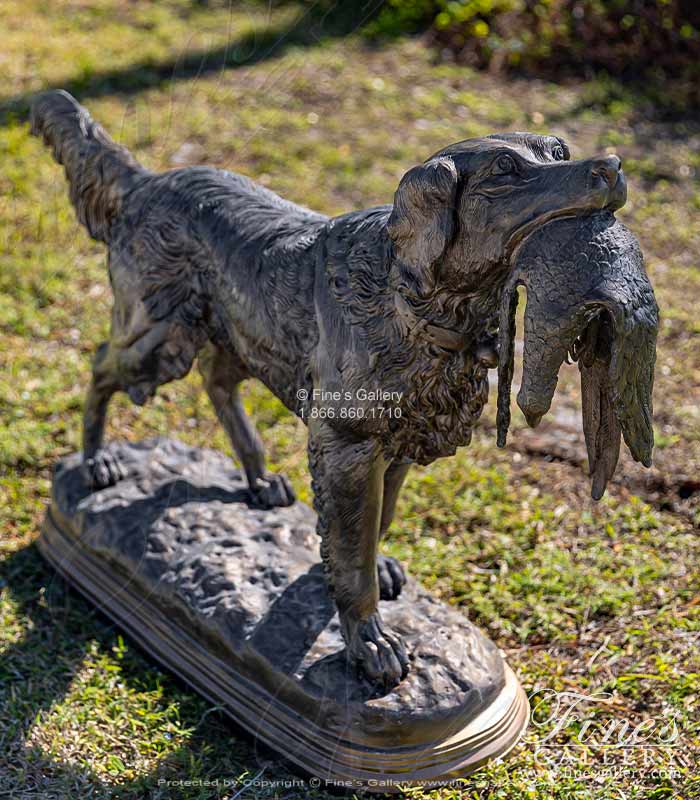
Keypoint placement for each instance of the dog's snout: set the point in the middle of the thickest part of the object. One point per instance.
(608, 169)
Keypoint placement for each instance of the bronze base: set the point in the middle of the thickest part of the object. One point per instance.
(232, 600)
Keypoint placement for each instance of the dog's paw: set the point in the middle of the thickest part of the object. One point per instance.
(379, 654)
(272, 491)
(391, 577)
(102, 470)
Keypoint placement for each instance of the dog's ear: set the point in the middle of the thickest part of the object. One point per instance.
(423, 220)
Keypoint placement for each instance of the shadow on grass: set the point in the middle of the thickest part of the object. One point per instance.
(37, 671)
(317, 24)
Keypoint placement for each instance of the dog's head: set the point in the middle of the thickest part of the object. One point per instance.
(484, 216)
(467, 207)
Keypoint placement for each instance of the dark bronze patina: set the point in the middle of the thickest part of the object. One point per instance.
(588, 298)
(402, 298)
(233, 599)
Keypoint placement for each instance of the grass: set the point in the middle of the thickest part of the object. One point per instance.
(583, 598)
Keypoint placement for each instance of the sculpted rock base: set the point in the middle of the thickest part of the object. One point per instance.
(232, 598)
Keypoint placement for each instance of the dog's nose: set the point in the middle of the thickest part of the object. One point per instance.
(608, 169)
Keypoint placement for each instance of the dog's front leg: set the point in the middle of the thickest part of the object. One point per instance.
(348, 483)
(392, 576)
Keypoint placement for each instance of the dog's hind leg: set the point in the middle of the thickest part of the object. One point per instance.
(390, 572)
(99, 467)
(222, 374)
(136, 361)
(114, 368)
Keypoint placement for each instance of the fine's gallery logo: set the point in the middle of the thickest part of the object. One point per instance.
(595, 721)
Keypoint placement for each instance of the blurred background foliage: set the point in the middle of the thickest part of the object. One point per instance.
(651, 43)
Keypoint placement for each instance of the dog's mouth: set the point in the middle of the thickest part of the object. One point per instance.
(604, 188)
(589, 301)
(617, 196)
(518, 238)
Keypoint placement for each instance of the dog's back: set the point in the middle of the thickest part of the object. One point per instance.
(212, 249)
(204, 249)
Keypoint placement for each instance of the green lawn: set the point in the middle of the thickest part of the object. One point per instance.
(582, 597)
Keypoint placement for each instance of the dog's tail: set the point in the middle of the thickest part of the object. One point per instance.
(99, 171)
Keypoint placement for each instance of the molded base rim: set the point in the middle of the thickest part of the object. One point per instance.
(333, 759)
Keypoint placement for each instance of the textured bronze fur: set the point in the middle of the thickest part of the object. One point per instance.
(205, 263)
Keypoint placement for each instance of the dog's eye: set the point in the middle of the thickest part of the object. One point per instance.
(503, 165)
(558, 153)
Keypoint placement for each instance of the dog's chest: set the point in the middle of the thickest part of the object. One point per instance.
(438, 412)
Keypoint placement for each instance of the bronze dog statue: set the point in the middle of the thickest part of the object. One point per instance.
(399, 301)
